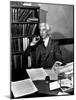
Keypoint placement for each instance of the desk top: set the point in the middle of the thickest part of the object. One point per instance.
(43, 87)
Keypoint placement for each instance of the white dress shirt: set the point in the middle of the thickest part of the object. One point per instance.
(46, 40)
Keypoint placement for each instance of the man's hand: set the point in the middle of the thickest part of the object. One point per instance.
(34, 41)
(57, 66)
(57, 63)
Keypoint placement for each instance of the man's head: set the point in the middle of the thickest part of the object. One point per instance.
(44, 28)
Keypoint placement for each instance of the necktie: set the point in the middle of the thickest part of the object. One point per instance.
(44, 44)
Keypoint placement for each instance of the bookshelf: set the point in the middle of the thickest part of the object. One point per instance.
(24, 26)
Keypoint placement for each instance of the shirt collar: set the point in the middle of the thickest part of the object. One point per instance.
(46, 41)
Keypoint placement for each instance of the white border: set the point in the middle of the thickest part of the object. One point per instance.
(5, 48)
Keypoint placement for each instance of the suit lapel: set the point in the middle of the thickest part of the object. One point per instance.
(49, 46)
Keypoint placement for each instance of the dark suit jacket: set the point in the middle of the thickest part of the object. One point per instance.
(46, 57)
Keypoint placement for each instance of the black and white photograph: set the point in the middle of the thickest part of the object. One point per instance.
(41, 49)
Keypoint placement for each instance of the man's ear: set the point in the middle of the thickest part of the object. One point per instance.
(49, 31)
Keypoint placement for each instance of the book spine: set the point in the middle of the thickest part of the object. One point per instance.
(28, 15)
(31, 28)
(17, 14)
(33, 13)
(15, 19)
(21, 44)
(23, 33)
(18, 62)
(25, 14)
(21, 61)
(25, 43)
(22, 15)
(15, 61)
(12, 62)
(13, 11)
(34, 28)
(19, 49)
(21, 12)
(12, 46)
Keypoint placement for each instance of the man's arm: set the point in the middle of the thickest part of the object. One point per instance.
(58, 53)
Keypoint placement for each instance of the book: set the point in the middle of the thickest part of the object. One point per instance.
(16, 44)
(13, 15)
(30, 29)
(15, 19)
(20, 29)
(18, 62)
(25, 27)
(34, 28)
(21, 44)
(21, 14)
(37, 74)
(25, 43)
(14, 62)
(12, 46)
(13, 30)
(27, 15)
(23, 32)
(32, 19)
(23, 87)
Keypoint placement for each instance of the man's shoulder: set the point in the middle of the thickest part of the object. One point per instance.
(53, 41)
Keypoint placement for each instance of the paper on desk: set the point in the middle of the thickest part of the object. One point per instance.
(66, 83)
(23, 87)
(52, 74)
(54, 85)
(37, 73)
(62, 93)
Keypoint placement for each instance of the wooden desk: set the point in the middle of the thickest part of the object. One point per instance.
(43, 87)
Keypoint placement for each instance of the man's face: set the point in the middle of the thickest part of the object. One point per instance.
(43, 32)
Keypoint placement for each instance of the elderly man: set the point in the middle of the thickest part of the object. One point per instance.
(48, 52)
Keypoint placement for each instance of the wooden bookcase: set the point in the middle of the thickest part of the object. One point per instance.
(24, 22)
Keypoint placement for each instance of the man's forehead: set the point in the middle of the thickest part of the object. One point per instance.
(44, 26)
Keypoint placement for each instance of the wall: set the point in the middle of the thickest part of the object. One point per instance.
(60, 19)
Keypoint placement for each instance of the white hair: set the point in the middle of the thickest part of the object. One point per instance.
(44, 25)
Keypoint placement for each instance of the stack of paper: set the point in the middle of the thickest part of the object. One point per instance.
(63, 93)
(37, 74)
(66, 83)
(54, 85)
(23, 87)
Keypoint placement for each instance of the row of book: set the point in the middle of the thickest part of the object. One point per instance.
(16, 62)
(22, 15)
(19, 44)
(23, 29)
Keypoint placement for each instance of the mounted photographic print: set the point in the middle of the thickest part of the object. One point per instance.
(42, 49)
